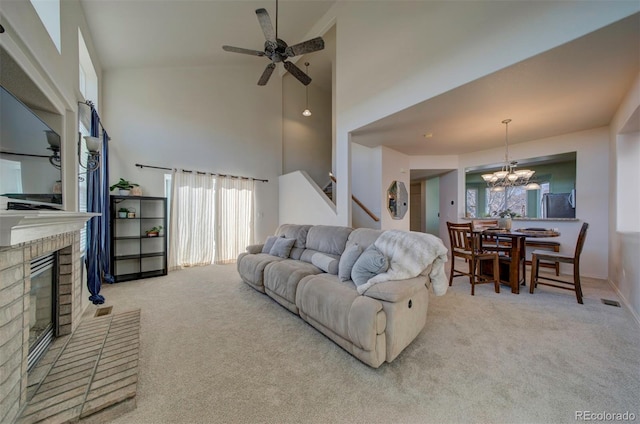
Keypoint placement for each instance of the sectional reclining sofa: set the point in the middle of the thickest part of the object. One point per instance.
(365, 289)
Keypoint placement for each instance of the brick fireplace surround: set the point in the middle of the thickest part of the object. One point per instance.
(15, 286)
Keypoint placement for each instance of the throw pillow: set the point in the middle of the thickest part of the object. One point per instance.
(325, 263)
(348, 258)
(282, 247)
(268, 244)
(370, 263)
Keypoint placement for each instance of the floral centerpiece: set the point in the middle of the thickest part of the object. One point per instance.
(505, 218)
(507, 213)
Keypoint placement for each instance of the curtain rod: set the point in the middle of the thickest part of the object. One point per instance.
(201, 172)
(91, 105)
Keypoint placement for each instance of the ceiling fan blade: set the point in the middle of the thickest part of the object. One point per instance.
(266, 74)
(265, 24)
(296, 72)
(241, 50)
(308, 46)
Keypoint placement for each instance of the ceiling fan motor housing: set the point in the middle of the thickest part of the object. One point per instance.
(277, 53)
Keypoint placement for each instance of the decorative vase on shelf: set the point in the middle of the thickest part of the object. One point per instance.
(136, 191)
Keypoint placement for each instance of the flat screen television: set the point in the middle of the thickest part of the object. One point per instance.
(30, 174)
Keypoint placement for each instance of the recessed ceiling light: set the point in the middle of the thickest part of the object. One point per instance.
(428, 135)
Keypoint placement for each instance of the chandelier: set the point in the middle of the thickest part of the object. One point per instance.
(509, 176)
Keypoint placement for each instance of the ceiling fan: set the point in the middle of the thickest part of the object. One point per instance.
(276, 50)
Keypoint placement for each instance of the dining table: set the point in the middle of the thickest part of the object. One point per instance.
(513, 245)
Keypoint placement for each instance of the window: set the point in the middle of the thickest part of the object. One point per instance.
(513, 198)
(213, 219)
(11, 173)
(49, 13)
(472, 203)
(87, 76)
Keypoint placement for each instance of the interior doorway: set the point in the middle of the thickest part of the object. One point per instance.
(425, 205)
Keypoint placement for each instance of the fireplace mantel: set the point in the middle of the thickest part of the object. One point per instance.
(24, 226)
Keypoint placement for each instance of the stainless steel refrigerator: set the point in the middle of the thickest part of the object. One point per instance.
(559, 205)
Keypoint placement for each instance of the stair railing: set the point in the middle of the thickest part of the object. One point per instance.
(359, 203)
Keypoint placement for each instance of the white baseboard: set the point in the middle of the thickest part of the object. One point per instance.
(625, 302)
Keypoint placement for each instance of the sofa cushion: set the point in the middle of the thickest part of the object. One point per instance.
(370, 263)
(282, 247)
(339, 307)
(298, 232)
(251, 268)
(283, 277)
(363, 237)
(397, 290)
(268, 244)
(347, 260)
(325, 263)
(328, 239)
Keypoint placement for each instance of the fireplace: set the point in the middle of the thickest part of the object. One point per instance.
(41, 298)
(42, 306)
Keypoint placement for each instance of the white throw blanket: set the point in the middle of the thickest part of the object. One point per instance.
(409, 254)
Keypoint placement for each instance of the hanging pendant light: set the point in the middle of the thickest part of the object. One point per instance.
(509, 176)
(306, 111)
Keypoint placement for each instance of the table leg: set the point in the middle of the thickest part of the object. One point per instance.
(517, 254)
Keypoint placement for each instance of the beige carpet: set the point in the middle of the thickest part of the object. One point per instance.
(213, 350)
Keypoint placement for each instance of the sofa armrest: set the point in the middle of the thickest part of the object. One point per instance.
(255, 248)
(397, 290)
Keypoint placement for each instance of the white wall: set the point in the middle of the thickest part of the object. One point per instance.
(366, 180)
(628, 182)
(212, 119)
(395, 167)
(306, 140)
(304, 201)
(624, 267)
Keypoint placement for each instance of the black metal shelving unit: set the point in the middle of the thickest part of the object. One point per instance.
(135, 255)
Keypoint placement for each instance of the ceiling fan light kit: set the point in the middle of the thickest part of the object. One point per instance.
(276, 50)
(509, 176)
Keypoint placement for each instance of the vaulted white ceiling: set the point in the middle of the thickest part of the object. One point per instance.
(574, 87)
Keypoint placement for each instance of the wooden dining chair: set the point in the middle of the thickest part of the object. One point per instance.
(465, 243)
(483, 224)
(557, 257)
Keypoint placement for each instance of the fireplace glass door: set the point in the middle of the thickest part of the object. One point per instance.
(41, 307)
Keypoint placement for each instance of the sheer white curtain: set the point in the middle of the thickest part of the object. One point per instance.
(234, 209)
(192, 226)
(211, 219)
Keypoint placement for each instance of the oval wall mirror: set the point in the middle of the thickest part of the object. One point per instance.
(397, 200)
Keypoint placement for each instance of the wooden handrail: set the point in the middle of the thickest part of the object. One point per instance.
(358, 202)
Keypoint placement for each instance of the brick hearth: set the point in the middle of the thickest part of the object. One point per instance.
(91, 374)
